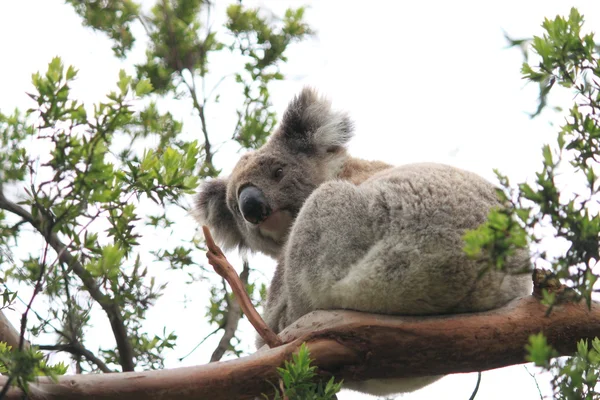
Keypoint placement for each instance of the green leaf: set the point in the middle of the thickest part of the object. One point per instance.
(71, 73)
(539, 351)
(124, 82)
(143, 87)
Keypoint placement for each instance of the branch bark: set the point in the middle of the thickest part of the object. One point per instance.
(217, 259)
(108, 305)
(353, 346)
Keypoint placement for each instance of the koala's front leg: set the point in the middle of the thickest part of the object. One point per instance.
(331, 232)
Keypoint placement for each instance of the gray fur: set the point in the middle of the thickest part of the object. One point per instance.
(211, 209)
(363, 235)
(308, 145)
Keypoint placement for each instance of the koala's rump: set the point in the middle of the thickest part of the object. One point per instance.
(394, 245)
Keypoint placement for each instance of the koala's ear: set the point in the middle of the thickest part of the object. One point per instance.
(211, 210)
(309, 124)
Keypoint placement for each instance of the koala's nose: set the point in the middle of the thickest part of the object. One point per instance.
(253, 205)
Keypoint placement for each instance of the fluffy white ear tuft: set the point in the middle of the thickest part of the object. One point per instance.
(310, 124)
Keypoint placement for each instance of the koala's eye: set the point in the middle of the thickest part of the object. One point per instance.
(278, 173)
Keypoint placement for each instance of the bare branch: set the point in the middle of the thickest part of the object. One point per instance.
(353, 346)
(476, 386)
(208, 155)
(234, 314)
(536, 382)
(77, 349)
(200, 343)
(214, 88)
(108, 305)
(217, 259)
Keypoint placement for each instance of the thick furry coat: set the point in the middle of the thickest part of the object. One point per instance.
(354, 234)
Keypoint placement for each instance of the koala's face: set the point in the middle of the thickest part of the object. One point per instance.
(256, 206)
(265, 193)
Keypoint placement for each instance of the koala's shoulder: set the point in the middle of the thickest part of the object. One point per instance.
(434, 189)
(431, 176)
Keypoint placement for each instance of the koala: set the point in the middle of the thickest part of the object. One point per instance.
(354, 234)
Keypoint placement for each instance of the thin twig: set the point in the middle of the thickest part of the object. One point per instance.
(217, 259)
(207, 98)
(200, 108)
(476, 387)
(37, 289)
(201, 342)
(536, 382)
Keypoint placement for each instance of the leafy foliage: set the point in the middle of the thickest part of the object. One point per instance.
(299, 380)
(83, 176)
(114, 17)
(567, 57)
(576, 377)
(26, 365)
(263, 46)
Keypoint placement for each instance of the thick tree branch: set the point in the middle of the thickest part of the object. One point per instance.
(352, 346)
(108, 305)
(234, 314)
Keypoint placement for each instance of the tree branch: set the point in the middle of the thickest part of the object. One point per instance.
(208, 155)
(234, 314)
(8, 333)
(217, 259)
(78, 350)
(108, 305)
(352, 346)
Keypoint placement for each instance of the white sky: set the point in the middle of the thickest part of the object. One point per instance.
(424, 81)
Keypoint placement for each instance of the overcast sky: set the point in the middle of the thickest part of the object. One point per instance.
(424, 81)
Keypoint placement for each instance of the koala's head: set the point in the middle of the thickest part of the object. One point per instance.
(255, 207)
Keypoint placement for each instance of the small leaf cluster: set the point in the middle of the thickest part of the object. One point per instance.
(13, 157)
(24, 366)
(264, 46)
(576, 377)
(299, 380)
(114, 17)
(497, 239)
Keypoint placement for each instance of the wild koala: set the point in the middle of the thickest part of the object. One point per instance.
(355, 234)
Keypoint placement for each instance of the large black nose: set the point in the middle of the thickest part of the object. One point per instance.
(253, 205)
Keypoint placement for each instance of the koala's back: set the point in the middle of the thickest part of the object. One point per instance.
(393, 245)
